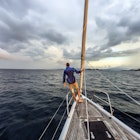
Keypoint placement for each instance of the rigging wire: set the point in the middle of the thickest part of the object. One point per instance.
(86, 108)
(58, 125)
(138, 103)
(121, 91)
(129, 115)
(98, 98)
(51, 120)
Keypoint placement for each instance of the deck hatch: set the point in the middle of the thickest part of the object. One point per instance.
(98, 131)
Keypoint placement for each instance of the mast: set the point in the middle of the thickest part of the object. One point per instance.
(83, 43)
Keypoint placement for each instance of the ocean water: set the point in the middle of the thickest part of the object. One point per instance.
(29, 98)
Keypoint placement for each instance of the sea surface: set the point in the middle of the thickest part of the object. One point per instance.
(29, 99)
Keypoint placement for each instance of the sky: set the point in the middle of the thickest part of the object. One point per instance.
(45, 34)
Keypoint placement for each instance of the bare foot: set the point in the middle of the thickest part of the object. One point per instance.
(80, 100)
(75, 99)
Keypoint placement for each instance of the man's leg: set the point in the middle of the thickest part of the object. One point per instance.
(72, 91)
(78, 92)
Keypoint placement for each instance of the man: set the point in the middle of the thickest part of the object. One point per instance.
(73, 84)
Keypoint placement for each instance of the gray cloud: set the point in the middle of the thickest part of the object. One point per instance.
(54, 36)
(13, 46)
(99, 54)
(71, 54)
(35, 53)
(18, 8)
(18, 27)
(132, 25)
(15, 30)
(121, 25)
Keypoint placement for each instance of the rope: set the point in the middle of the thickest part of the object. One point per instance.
(138, 103)
(86, 108)
(129, 116)
(51, 120)
(58, 125)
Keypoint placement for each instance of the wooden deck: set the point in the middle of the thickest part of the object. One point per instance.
(78, 130)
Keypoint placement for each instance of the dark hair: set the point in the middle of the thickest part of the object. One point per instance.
(67, 64)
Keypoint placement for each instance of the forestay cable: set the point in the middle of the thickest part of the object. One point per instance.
(129, 116)
(58, 125)
(51, 120)
(138, 103)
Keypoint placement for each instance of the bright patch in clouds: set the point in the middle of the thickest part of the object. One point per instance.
(54, 53)
(108, 63)
(5, 55)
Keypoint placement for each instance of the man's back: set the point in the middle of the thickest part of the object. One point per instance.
(70, 74)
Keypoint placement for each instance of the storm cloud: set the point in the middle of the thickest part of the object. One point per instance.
(51, 31)
(21, 22)
(121, 25)
(98, 54)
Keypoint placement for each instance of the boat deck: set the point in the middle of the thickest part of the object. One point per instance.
(106, 128)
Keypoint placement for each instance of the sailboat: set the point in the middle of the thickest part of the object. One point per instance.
(89, 120)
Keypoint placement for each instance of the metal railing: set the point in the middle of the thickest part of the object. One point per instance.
(68, 102)
(109, 102)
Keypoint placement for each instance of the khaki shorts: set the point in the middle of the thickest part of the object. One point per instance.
(74, 86)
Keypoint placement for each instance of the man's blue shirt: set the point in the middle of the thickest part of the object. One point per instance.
(69, 72)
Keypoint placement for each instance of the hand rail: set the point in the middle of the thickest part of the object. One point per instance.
(109, 102)
(68, 102)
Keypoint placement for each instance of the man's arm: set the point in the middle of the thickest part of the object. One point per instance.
(78, 71)
(64, 79)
